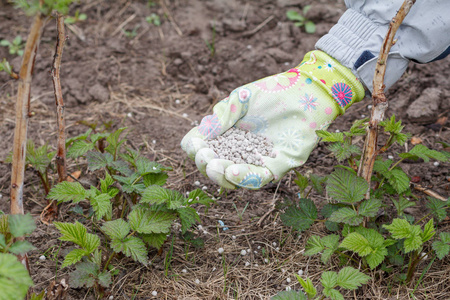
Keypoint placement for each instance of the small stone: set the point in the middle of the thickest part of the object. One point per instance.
(154, 142)
(274, 244)
(436, 164)
(288, 280)
(220, 250)
(197, 183)
(111, 297)
(154, 293)
(266, 260)
(184, 271)
(204, 188)
(243, 252)
(42, 258)
(233, 237)
(300, 272)
(247, 264)
(129, 115)
(177, 101)
(197, 281)
(288, 288)
(390, 157)
(185, 115)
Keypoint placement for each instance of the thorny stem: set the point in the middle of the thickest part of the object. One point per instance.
(61, 154)
(380, 102)
(44, 183)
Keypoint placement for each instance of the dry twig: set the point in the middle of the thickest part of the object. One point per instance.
(61, 154)
(380, 102)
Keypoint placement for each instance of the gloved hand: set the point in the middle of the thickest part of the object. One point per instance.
(286, 108)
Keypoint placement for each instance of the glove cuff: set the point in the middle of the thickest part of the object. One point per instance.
(333, 78)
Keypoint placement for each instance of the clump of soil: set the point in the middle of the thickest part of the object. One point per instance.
(242, 147)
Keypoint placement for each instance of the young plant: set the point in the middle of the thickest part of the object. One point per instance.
(15, 47)
(39, 159)
(212, 45)
(300, 19)
(5, 66)
(131, 208)
(14, 277)
(76, 18)
(131, 34)
(377, 241)
(348, 278)
(153, 19)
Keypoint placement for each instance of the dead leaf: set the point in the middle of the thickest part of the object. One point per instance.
(442, 121)
(416, 140)
(75, 175)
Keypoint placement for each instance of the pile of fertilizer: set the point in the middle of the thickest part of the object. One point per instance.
(242, 147)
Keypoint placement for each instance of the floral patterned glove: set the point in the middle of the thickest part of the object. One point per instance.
(286, 108)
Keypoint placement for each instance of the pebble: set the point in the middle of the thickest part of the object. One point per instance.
(155, 293)
(288, 280)
(243, 252)
(197, 281)
(233, 237)
(220, 250)
(177, 101)
(436, 164)
(197, 183)
(42, 258)
(184, 271)
(242, 147)
(247, 264)
(185, 115)
(390, 157)
(288, 288)
(300, 272)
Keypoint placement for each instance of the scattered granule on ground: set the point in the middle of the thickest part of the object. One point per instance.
(242, 147)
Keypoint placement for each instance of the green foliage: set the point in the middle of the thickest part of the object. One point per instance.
(300, 19)
(308, 286)
(300, 217)
(14, 278)
(359, 224)
(15, 46)
(290, 295)
(76, 18)
(5, 66)
(153, 19)
(13, 227)
(32, 7)
(135, 210)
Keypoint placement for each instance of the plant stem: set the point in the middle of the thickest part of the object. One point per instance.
(61, 154)
(44, 183)
(413, 262)
(109, 261)
(380, 102)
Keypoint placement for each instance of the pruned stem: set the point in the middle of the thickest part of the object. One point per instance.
(61, 153)
(380, 102)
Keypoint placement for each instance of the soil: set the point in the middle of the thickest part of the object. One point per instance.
(159, 83)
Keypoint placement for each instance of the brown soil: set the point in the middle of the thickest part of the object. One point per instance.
(136, 82)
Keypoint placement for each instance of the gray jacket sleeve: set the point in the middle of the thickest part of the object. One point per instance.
(356, 39)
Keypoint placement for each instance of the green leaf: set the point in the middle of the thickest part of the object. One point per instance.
(21, 247)
(342, 151)
(428, 231)
(101, 205)
(117, 229)
(334, 294)
(351, 279)
(77, 234)
(301, 181)
(401, 229)
(188, 217)
(356, 243)
(442, 249)
(105, 183)
(317, 183)
(347, 216)
(445, 237)
(358, 128)
(144, 166)
(79, 148)
(314, 245)
(144, 221)
(302, 217)
(421, 151)
(199, 196)
(345, 186)
(293, 15)
(14, 278)
(307, 286)
(310, 27)
(369, 208)
(155, 240)
(84, 275)
(2, 241)
(398, 180)
(290, 295)
(114, 141)
(98, 136)
(97, 160)
(330, 136)
(80, 137)
(329, 279)
(132, 247)
(67, 191)
(73, 257)
(331, 243)
(438, 208)
(21, 225)
(155, 194)
(375, 258)
(155, 179)
(402, 204)
(104, 279)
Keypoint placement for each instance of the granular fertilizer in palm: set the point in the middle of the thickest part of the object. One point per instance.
(241, 147)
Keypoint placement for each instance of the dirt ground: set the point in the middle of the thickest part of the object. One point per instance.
(159, 83)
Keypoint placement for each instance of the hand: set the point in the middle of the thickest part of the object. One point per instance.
(286, 108)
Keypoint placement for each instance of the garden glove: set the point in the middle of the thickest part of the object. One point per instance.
(286, 108)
